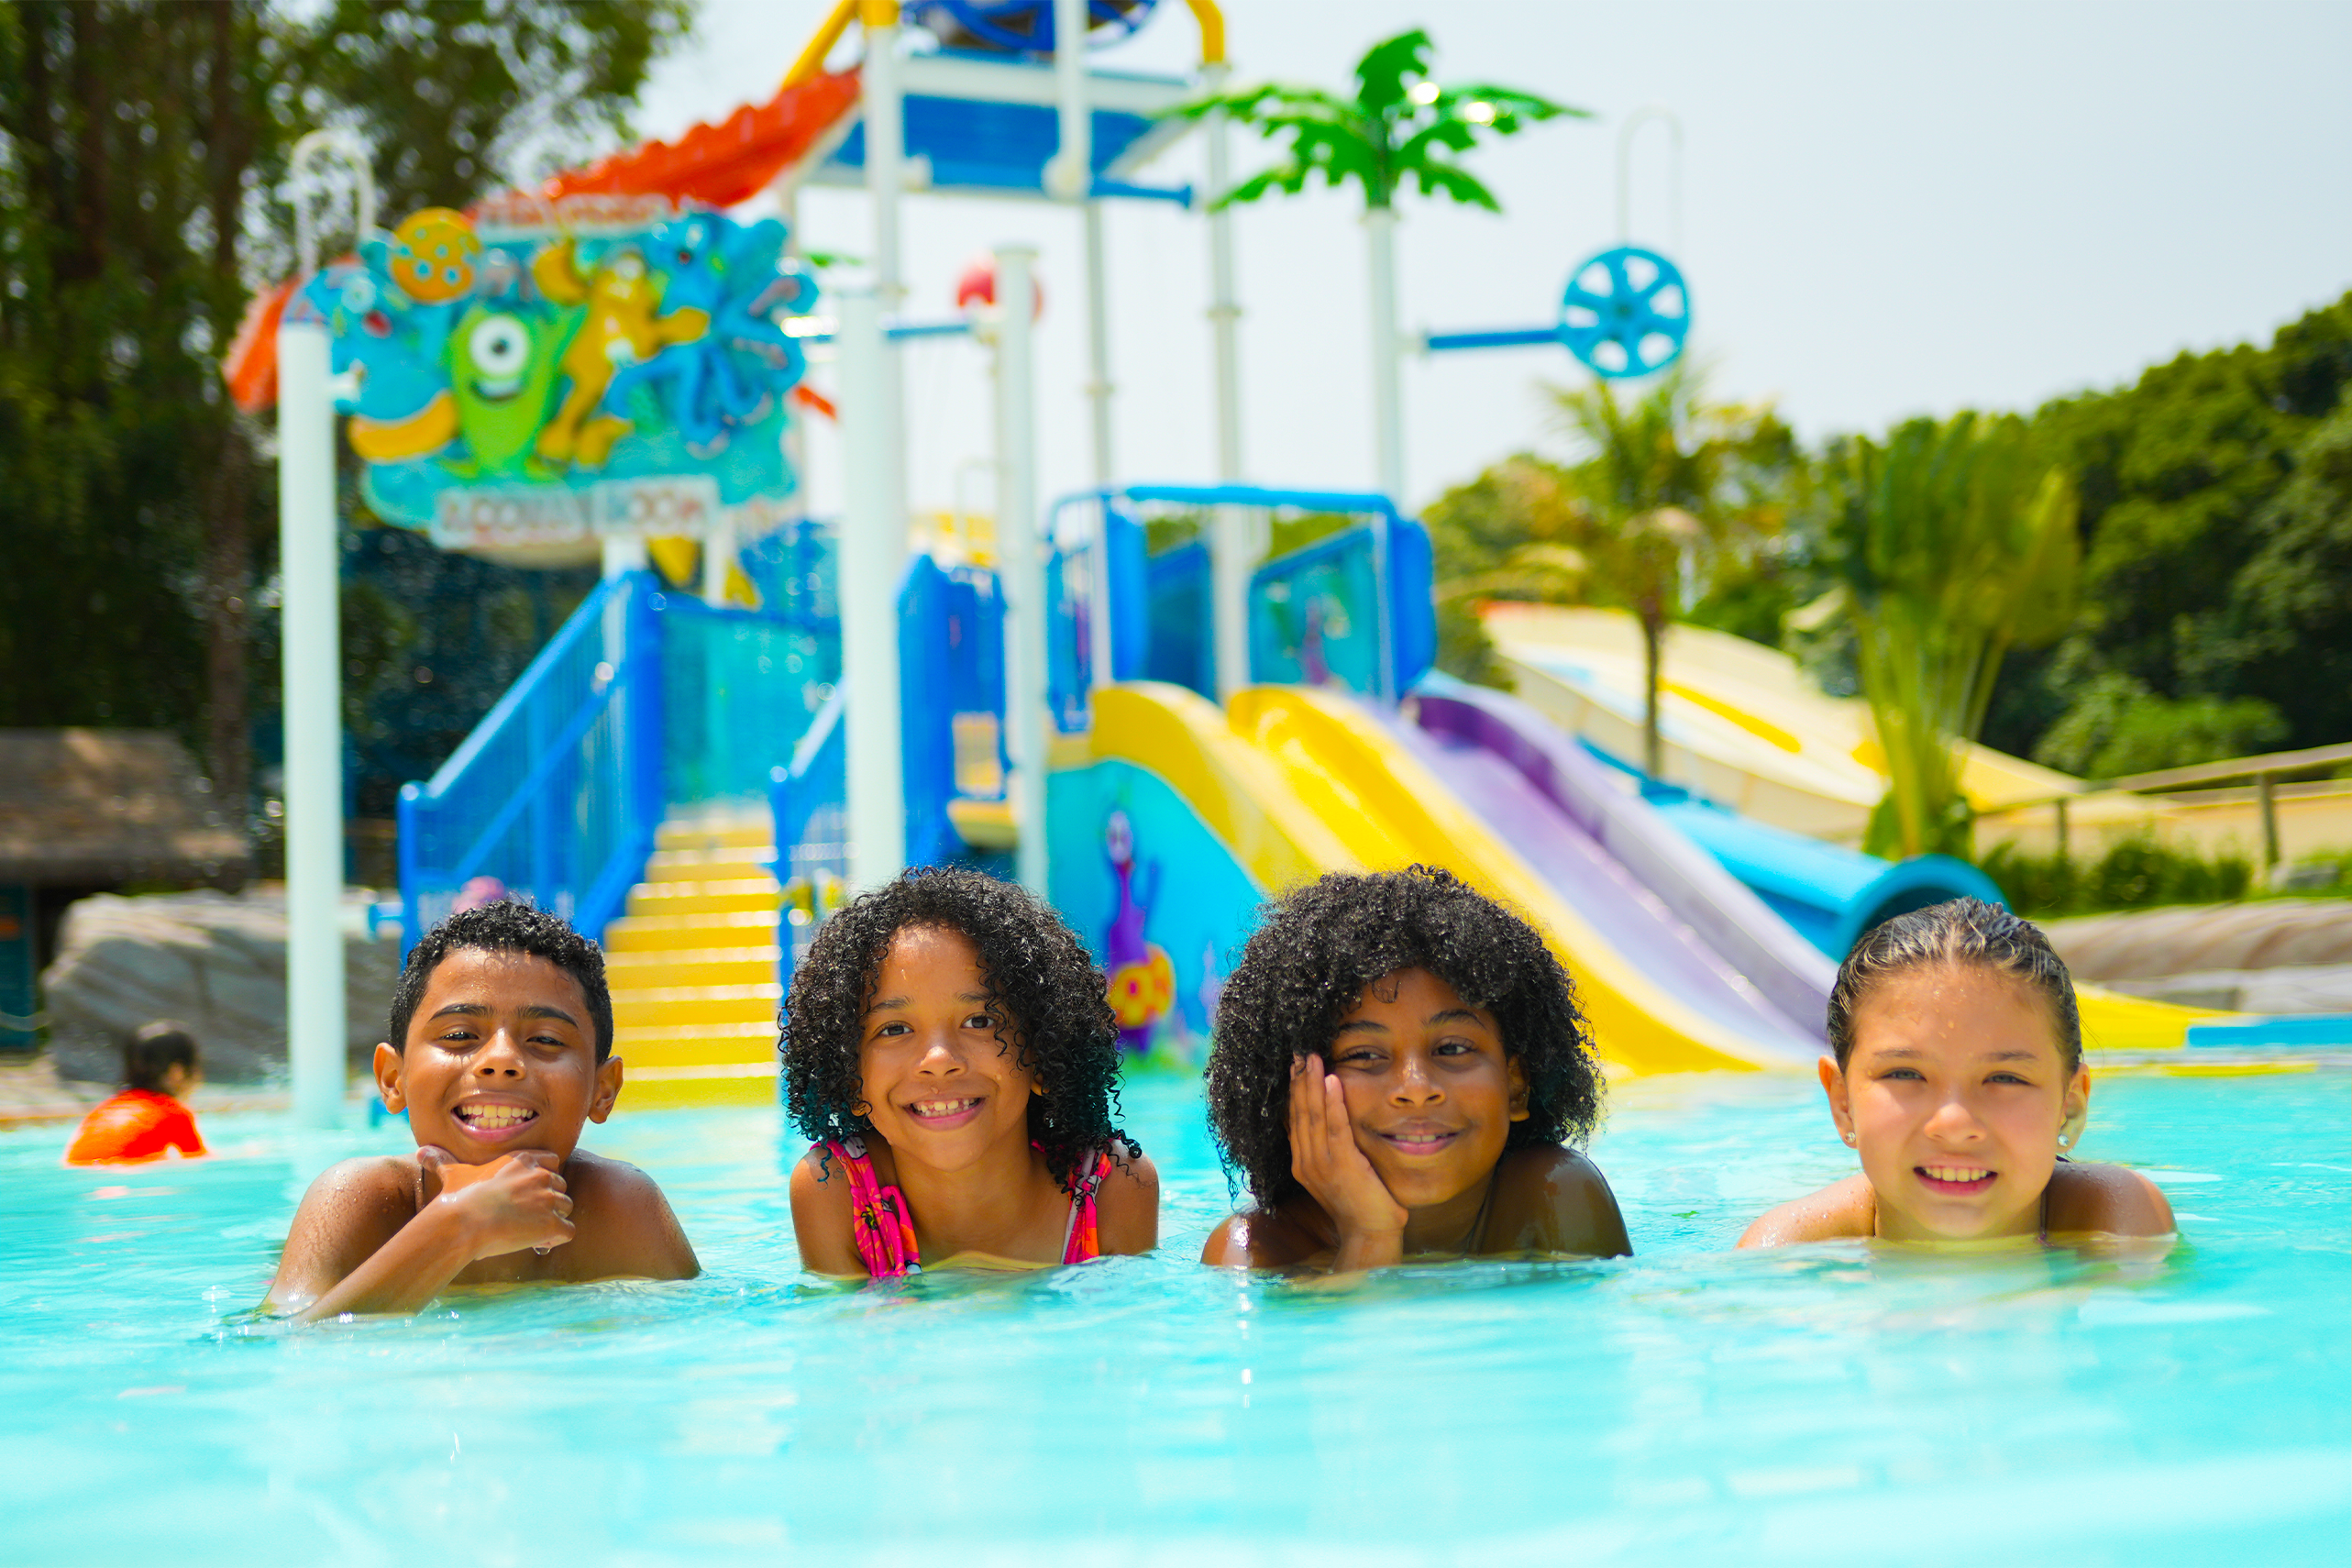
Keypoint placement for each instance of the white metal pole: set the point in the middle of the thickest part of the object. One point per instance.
(1231, 553)
(1070, 171)
(1099, 668)
(1098, 384)
(872, 540)
(1387, 366)
(1021, 562)
(885, 152)
(312, 642)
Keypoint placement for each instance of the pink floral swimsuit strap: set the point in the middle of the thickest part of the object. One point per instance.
(1083, 1241)
(878, 1221)
(884, 1230)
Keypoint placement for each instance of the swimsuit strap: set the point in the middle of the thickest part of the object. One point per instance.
(879, 1222)
(1082, 1242)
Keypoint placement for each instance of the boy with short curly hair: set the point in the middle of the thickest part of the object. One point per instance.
(1399, 1069)
(499, 1049)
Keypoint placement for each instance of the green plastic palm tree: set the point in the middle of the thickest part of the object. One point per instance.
(1952, 543)
(1669, 485)
(1400, 129)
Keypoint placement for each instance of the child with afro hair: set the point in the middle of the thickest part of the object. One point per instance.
(1399, 1065)
(949, 1052)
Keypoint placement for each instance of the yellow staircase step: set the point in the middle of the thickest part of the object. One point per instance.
(667, 968)
(738, 863)
(697, 1044)
(697, 1004)
(647, 932)
(703, 897)
(755, 832)
(718, 1083)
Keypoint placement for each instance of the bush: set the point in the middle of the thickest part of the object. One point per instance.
(2138, 873)
(2115, 727)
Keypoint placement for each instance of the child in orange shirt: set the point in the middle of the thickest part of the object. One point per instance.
(146, 1121)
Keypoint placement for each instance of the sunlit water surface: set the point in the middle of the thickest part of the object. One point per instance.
(1690, 1406)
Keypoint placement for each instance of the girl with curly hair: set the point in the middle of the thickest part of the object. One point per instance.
(948, 1051)
(1399, 1063)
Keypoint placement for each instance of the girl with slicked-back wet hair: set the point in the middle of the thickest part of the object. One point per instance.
(1957, 1076)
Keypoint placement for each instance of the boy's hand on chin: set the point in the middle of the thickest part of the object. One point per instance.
(516, 1201)
(1325, 1159)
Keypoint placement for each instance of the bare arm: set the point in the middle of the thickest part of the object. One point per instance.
(1256, 1239)
(2112, 1200)
(821, 1217)
(361, 1244)
(1127, 1206)
(1840, 1210)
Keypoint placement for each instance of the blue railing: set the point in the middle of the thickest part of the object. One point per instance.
(644, 699)
(740, 689)
(805, 797)
(555, 795)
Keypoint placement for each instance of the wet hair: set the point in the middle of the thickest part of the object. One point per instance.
(154, 1051)
(506, 927)
(1963, 930)
(1307, 966)
(1046, 997)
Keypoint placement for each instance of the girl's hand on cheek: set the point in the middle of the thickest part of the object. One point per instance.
(1325, 1159)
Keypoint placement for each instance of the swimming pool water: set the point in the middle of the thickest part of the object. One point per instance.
(1689, 1406)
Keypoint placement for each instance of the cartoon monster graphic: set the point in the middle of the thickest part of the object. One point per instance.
(504, 360)
(433, 255)
(404, 409)
(621, 327)
(702, 391)
(1143, 977)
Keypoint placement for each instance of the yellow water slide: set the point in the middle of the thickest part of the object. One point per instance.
(1297, 783)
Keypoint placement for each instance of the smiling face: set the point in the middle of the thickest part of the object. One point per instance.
(500, 1056)
(940, 1085)
(1431, 1094)
(1956, 1097)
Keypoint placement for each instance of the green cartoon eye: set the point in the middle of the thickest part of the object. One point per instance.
(501, 347)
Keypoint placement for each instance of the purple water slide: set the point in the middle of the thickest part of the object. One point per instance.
(1668, 906)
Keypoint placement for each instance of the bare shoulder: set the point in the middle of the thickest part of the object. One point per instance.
(822, 1215)
(1554, 1200)
(1127, 1204)
(1258, 1237)
(626, 1226)
(352, 1208)
(2113, 1200)
(1843, 1209)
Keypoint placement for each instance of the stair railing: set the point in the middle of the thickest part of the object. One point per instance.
(555, 795)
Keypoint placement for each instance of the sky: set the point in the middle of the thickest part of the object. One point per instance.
(1888, 208)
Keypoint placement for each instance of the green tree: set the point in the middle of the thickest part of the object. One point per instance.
(2210, 570)
(1951, 542)
(1400, 128)
(140, 144)
(1671, 488)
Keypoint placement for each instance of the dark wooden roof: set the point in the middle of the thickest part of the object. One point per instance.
(94, 807)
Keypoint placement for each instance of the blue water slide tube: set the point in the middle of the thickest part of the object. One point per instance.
(1831, 895)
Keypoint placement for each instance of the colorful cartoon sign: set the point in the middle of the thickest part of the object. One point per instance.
(544, 371)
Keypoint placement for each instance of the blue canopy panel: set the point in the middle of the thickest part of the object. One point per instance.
(988, 126)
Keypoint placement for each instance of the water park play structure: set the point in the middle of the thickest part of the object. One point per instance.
(1157, 740)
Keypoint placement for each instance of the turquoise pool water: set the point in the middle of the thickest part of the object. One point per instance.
(1690, 1406)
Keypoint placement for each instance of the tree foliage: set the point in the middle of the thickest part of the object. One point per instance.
(2217, 555)
(1400, 128)
(140, 145)
(1952, 541)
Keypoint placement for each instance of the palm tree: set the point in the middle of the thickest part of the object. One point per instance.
(1400, 128)
(1951, 543)
(1669, 486)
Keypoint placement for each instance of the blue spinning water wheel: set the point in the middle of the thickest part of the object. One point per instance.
(1626, 313)
(1021, 26)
